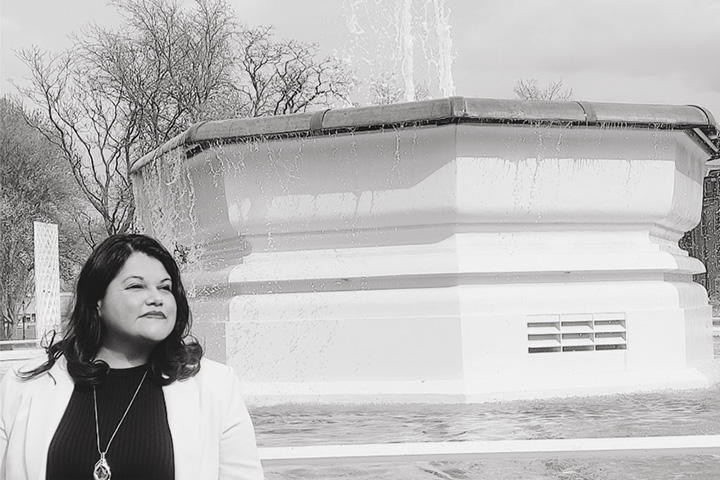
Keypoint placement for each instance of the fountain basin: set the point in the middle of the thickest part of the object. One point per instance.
(454, 250)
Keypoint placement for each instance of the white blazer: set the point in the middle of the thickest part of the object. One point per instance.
(213, 436)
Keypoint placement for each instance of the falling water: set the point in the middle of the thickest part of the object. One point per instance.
(403, 48)
(406, 48)
(445, 55)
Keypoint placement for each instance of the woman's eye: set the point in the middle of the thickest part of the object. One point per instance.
(134, 287)
(166, 287)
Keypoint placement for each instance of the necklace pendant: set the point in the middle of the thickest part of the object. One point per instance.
(102, 469)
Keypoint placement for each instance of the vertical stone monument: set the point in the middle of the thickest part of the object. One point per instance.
(47, 279)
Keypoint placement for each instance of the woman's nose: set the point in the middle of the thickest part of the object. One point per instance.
(154, 297)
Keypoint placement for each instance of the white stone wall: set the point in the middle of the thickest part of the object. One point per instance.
(406, 265)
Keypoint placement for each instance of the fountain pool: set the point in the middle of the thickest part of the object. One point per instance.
(690, 412)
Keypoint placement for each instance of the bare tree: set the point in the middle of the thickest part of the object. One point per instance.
(92, 126)
(175, 66)
(36, 185)
(282, 77)
(531, 90)
(117, 94)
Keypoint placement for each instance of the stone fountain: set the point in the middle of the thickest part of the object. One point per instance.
(452, 250)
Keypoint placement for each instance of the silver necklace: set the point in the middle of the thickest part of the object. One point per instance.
(102, 469)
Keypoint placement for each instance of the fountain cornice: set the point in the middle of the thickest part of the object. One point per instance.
(696, 121)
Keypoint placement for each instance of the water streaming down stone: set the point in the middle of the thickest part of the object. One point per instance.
(454, 250)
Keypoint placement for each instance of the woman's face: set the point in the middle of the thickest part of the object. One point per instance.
(138, 309)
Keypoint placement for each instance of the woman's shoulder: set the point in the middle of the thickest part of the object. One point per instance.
(213, 378)
(19, 368)
(213, 370)
(16, 382)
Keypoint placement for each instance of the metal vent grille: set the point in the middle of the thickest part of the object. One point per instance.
(577, 332)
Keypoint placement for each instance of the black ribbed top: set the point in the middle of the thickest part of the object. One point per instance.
(142, 448)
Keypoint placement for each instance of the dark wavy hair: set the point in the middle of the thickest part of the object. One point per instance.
(175, 358)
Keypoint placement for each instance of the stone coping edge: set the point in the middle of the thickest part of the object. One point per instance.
(537, 449)
(696, 121)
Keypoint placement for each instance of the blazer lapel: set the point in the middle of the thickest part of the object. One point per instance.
(182, 400)
(47, 406)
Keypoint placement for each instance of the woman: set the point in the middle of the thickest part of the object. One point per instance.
(125, 394)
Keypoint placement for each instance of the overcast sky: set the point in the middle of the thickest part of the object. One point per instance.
(634, 51)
